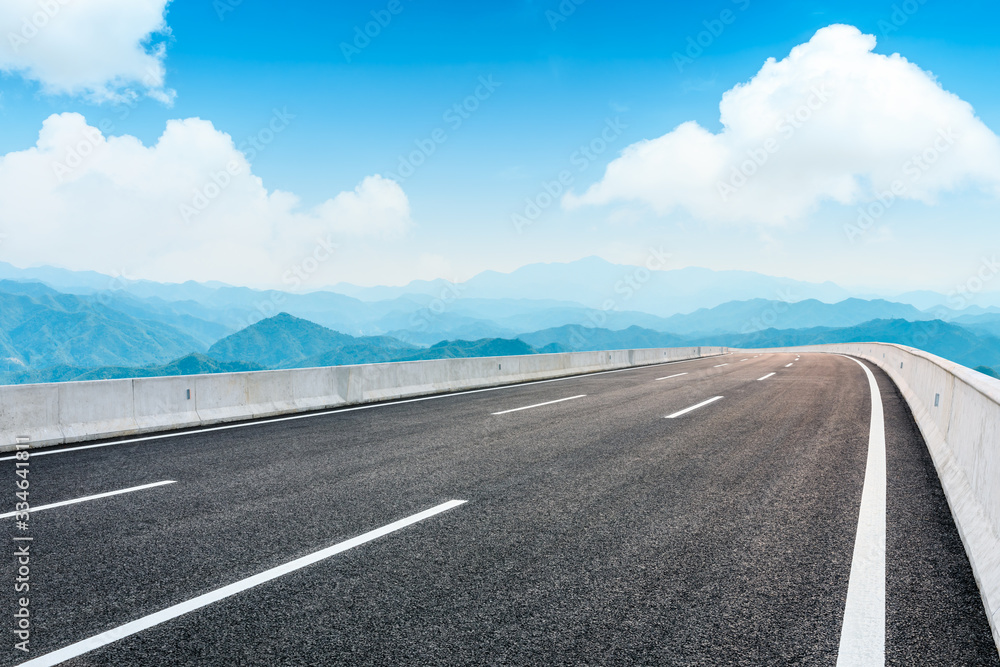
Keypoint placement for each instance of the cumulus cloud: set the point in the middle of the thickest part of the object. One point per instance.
(188, 207)
(833, 121)
(376, 206)
(105, 50)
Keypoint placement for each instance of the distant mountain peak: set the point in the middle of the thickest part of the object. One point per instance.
(278, 341)
(283, 318)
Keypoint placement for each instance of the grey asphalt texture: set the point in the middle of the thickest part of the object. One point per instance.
(596, 532)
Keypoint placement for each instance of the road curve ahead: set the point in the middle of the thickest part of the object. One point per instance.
(695, 513)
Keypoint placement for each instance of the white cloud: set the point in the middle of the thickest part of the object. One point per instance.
(105, 50)
(831, 122)
(376, 206)
(188, 207)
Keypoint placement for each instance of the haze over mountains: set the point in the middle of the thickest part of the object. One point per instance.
(59, 325)
(593, 281)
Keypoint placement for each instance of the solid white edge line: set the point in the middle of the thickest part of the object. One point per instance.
(86, 498)
(272, 420)
(538, 405)
(693, 407)
(862, 636)
(766, 376)
(671, 376)
(146, 622)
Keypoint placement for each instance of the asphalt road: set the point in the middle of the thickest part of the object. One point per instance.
(594, 531)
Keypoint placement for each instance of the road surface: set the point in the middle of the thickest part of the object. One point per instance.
(693, 513)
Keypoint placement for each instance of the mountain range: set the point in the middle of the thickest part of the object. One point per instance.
(40, 327)
(192, 364)
(628, 295)
(58, 325)
(593, 281)
(284, 341)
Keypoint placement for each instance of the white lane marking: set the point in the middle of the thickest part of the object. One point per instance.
(789, 365)
(538, 405)
(862, 637)
(765, 377)
(693, 407)
(671, 376)
(744, 360)
(325, 413)
(93, 497)
(720, 366)
(146, 622)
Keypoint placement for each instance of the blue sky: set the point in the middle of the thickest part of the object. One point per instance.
(562, 77)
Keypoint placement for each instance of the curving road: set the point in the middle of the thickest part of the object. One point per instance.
(694, 513)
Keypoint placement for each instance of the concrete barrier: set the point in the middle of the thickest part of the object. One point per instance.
(54, 414)
(958, 413)
(956, 409)
(100, 405)
(31, 412)
(162, 403)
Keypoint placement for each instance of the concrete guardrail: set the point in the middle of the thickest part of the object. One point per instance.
(42, 415)
(958, 412)
(956, 409)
